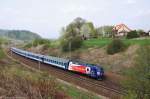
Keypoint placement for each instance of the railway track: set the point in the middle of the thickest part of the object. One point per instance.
(106, 88)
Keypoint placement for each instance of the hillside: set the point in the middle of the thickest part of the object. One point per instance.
(20, 81)
(94, 51)
(19, 34)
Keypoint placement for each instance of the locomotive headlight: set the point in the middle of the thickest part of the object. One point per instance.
(98, 73)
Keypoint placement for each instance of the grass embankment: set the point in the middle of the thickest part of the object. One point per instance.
(2, 41)
(105, 41)
(46, 43)
(2, 55)
(101, 42)
(19, 81)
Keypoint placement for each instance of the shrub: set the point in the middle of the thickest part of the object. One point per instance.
(2, 54)
(138, 76)
(28, 45)
(71, 44)
(132, 34)
(115, 46)
(37, 42)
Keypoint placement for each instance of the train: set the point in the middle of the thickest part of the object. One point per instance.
(90, 70)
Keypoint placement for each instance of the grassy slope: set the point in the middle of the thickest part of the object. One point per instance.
(18, 74)
(71, 91)
(2, 55)
(105, 41)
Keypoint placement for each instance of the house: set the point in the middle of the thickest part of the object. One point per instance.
(121, 30)
(149, 33)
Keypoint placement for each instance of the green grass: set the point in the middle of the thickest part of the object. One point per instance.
(75, 93)
(2, 55)
(105, 41)
(22, 72)
(96, 42)
(137, 41)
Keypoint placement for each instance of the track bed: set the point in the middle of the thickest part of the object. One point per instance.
(106, 87)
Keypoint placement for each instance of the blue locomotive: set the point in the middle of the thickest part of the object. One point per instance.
(90, 70)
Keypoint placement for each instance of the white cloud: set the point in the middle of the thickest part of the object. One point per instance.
(46, 17)
(131, 1)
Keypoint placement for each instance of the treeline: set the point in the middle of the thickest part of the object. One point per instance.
(86, 29)
(72, 35)
(45, 42)
(19, 34)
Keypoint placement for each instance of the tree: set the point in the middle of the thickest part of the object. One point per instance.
(137, 80)
(93, 33)
(105, 31)
(71, 43)
(141, 32)
(115, 46)
(132, 34)
(88, 30)
(79, 22)
(71, 38)
(85, 31)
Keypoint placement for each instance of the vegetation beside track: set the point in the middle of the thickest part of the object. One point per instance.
(2, 55)
(101, 42)
(19, 81)
(138, 77)
(94, 51)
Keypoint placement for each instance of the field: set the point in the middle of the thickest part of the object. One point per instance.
(105, 41)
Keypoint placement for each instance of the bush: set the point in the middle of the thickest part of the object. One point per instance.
(115, 46)
(132, 34)
(41, 41)
(138, 76)
(28, 45)
(71, 44)
(2, 55)
(37, 42)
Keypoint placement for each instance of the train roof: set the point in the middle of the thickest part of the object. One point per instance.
(49, 57)
(85, 63)
(57, 58)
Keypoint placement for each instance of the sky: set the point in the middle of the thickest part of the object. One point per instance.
(47, 17)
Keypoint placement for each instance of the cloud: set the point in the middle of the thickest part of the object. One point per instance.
(131, 1)
(46, 17)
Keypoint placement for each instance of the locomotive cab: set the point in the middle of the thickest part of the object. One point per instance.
(97, 72)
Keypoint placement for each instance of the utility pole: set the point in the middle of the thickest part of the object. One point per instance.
(103, 31)
(11, 52)
(32, 43)
(39, 65)
(70, 48)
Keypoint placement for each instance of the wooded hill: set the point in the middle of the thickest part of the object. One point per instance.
(19, 34)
